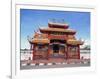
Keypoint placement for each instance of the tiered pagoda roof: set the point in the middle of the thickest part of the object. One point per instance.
(59, 28)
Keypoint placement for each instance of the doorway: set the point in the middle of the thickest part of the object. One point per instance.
(56, 48)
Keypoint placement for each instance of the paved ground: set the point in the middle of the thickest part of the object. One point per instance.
(54, 63)
(54, 66)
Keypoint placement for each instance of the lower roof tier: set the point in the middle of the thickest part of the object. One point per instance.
(42, 41)
(74, 42)
(47, 41)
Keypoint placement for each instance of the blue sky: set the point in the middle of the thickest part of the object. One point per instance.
(31, 20)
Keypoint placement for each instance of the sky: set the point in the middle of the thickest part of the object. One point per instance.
(31, 20)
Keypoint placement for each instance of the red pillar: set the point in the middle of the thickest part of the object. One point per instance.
(49, 36)
(67, 52)
(34, 52)
(78, 52)
(48, 48)
(48, 52)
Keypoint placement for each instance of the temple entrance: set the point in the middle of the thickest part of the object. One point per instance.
(55, 48)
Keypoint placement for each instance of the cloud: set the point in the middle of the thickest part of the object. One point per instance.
(86, 43)
(25, 44)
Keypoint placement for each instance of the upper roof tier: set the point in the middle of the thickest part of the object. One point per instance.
(50, 30)
(58, 25)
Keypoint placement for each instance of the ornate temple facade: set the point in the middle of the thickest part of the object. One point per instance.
(55, 41)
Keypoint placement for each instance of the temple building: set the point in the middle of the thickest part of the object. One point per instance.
(55, 41)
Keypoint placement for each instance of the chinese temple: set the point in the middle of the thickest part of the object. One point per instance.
(55, 41)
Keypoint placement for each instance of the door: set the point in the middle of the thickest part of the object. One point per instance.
(56, 50)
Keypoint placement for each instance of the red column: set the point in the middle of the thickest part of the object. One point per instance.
(49, 36)
(34, 52)
(67, 52)
(48, 52)
(78, 52)
(48, 48)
